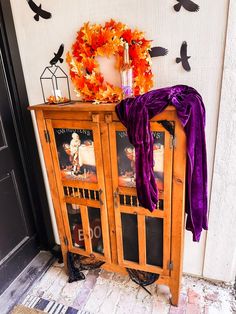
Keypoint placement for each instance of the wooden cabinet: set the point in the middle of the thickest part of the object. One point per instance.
(91, 170)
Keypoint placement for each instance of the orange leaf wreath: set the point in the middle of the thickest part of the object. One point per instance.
(96, 40)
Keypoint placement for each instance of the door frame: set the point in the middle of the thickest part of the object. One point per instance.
(24, 129)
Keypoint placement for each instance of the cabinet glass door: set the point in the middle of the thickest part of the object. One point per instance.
(76, 150)
(126, 159)
(144, 240)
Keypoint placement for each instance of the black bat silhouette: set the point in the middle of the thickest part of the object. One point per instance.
(158, 52)
(39, 11)
(57, 56)
(183, 57)
(187, 4)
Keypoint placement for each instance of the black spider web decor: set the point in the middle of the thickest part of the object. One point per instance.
(142, 278)
(77, 263)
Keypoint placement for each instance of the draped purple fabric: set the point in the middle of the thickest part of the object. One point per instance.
(135, 114)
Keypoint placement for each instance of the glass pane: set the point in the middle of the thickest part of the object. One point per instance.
(130, 237)
(126, 159)
(154, 241)
(76, 227)
(75, 148)
(95, 229)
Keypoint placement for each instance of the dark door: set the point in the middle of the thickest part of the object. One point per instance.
(17, 232)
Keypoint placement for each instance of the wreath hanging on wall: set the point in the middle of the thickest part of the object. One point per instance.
(105, 41)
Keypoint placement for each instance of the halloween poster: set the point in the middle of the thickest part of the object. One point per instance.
(75, 148)
(126, 159)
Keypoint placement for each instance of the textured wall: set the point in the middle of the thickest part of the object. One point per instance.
(220, 259)
(204, 31)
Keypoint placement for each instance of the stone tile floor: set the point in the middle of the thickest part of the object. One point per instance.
(107, 293)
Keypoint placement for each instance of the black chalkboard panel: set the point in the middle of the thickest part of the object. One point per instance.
(154, 241)
(130, 237)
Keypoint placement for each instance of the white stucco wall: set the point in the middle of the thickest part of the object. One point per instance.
(204, 32)
(220, 258)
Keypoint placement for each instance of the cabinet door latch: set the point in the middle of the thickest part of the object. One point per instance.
(170, 265)
(115, 197)
(47, 136)
(100, 194)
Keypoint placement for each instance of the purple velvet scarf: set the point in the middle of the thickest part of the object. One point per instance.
(135, 114)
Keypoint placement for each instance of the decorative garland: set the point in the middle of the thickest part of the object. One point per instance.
(96, 40)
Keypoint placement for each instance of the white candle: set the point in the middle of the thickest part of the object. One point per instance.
(57, 94)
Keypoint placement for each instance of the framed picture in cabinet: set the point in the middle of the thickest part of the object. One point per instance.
(76, 155)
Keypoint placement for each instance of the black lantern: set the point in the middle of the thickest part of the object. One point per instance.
(55, 85)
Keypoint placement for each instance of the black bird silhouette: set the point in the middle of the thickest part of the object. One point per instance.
(39, 11)
(57, 56)
(183, 57)
(158, 52)
(187, 4)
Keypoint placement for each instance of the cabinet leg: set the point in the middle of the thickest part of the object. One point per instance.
(174, 299)
(64, 256)
(57, 253)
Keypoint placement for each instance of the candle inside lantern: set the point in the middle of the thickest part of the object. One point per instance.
(58, 94)
(57, 97)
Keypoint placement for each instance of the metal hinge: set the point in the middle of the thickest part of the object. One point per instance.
(65, 240)
(170, 127)
(172, 141)
(170, 265)
(47, 136)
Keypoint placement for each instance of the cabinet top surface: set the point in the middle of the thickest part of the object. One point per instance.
(80, 106)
